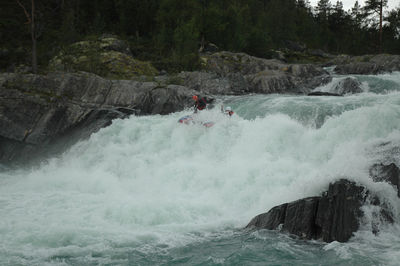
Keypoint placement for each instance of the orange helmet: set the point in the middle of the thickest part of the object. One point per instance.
(195, 97)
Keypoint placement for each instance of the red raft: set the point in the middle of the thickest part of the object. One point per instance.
(188, 119)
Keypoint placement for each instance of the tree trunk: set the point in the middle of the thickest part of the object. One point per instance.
(33, 35)
(380, 25)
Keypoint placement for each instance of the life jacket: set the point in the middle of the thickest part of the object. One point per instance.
(230, 113)
(201, 103)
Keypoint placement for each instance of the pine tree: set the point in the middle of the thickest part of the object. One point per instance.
(356, 13)
(377, 6)
(323, 9)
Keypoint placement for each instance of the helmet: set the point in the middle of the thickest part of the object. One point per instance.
(195, 97)
(228, 109)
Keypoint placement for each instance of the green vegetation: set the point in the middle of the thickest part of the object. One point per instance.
(169, 33)
(102, 56)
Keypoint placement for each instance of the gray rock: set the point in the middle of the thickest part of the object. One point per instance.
(366, 64)
(37, 111)
(262, 75)
(211, 83)
(386, 173)
(270, 220)
(332, 217)
(361, 68)
(339, 211)
(348, 86)
(271, 83)
(300, 217)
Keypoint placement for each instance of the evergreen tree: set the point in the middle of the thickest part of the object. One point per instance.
(377, 6)
(323, 9)
(356, 13)
(393, 31)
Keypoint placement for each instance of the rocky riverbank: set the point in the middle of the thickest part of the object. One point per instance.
(37, 110)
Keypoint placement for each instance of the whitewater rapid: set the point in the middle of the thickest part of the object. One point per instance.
(150, 184)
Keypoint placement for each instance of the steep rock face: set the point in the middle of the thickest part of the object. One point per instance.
(333, 216)
(36, 110)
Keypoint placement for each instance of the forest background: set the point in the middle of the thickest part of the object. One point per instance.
(169, 33)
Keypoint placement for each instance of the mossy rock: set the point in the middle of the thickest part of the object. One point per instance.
(106, 57)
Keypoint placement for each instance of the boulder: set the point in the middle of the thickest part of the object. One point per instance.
(348, 86)
(334, 216)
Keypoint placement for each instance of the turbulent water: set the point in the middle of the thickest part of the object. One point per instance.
(150, 191)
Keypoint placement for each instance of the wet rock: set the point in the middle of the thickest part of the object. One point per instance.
(269, 220)
(334, 216)
(386, 173)
(339, 211)
(323, 93)
(348, 86)
(300, 217)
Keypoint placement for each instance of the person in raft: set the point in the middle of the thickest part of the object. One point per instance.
(199, 103)
(227, 111)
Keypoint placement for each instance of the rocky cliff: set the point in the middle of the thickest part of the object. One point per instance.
(37, 111)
